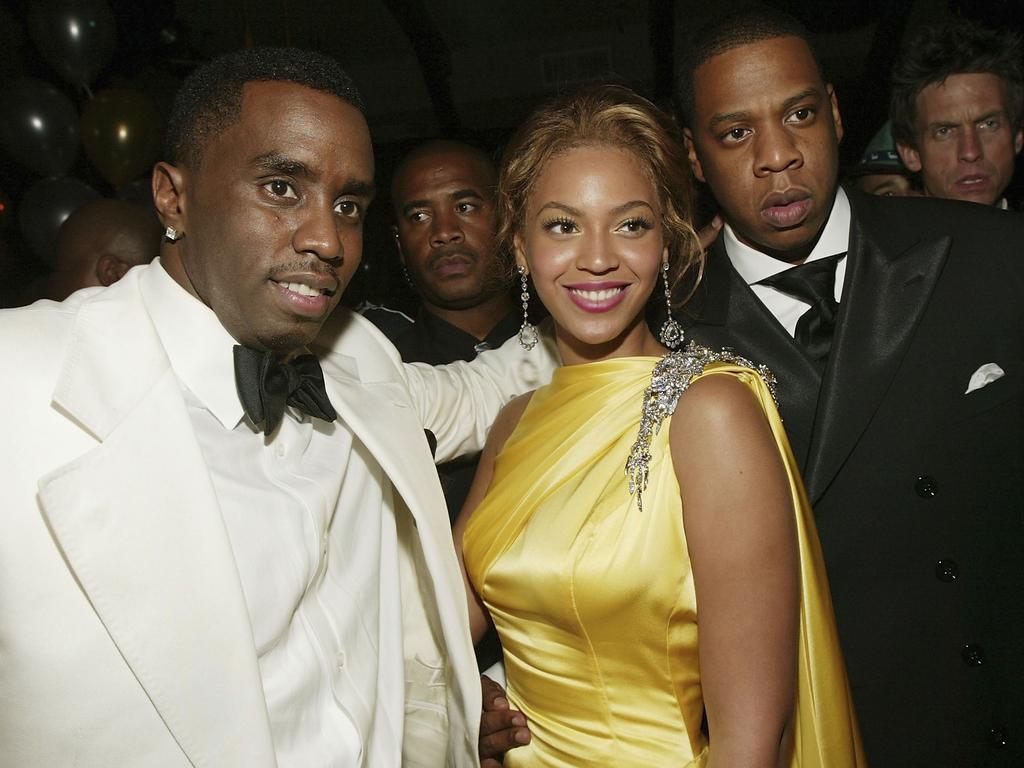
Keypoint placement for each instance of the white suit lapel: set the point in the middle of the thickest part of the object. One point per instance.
(139, 526)
(379, 415)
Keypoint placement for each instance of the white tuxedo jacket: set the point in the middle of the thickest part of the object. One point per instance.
(124, 633)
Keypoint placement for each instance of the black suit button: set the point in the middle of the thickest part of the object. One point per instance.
(997, 738)
(973, 655)
(926, 486)
(947, 571)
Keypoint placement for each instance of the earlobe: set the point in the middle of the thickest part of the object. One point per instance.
(520, 254)
(837, 118)
(691, 154)
(910, 157)
(398, 245)
(169, 195)
(1018, 141)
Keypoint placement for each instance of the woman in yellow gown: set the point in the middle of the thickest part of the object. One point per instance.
(638, 531)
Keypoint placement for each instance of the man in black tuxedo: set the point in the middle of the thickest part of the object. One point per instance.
(898, 350)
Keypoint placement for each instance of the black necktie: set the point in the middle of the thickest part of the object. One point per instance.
(266, 386)
(813, 282)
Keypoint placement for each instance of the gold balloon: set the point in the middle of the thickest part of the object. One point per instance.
(121, 132)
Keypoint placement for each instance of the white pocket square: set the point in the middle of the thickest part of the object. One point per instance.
(984, 376)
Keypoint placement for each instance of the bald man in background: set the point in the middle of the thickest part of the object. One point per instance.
(100, 242)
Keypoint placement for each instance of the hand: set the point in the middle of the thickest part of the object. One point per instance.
(501, 727)
(708, 234)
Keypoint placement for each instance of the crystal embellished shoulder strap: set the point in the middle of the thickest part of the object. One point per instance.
(670, 378)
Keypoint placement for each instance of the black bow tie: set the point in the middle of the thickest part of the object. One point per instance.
(815, 283)
(266, 386)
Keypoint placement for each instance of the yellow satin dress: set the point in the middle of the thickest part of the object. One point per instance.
(594, 599)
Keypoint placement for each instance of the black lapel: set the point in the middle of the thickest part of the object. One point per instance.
(886, 290)
(725, 312)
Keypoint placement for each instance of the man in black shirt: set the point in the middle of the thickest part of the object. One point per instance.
(443, 198)
(432, 339)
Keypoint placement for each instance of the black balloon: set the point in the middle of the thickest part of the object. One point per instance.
(76, 37)
(45, 207)
(38, 126)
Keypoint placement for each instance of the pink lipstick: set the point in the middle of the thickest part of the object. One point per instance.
(598, 296)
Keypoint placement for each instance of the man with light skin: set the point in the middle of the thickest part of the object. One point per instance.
(895, 327)
(224, 540)
(956, 109)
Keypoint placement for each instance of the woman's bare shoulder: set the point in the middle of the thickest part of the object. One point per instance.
(507, 421)
(716, 401)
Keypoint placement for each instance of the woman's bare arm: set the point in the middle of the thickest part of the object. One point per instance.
(741, 533)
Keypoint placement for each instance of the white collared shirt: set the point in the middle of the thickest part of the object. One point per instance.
(309, 517)
(754, 266)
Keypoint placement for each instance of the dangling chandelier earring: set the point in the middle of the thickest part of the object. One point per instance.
(671, 334)
(408, 277)
(527, 331)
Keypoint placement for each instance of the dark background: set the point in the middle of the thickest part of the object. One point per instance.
(455, 67)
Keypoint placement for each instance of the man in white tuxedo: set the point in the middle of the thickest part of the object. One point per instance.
(200, 565)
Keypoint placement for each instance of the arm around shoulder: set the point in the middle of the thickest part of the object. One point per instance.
(458, 402)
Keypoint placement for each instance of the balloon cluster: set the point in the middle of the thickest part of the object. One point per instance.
(40, 127)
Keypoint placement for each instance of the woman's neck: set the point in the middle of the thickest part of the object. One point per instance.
(636, 341)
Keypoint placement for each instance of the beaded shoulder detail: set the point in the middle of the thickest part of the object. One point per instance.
(670, 378)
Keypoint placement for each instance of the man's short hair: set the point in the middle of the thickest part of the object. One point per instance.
(954, 48)
(752, 24)
(210, 99)
(438, 146)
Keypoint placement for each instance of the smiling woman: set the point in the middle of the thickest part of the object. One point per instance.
(637, 531)
(592, 240)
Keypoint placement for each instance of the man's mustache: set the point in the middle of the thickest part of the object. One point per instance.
(313, 267)
(444, 254)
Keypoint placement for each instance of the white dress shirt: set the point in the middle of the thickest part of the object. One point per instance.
(318, 571)
(754, 266)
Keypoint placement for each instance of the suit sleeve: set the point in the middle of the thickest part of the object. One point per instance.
(459, 401)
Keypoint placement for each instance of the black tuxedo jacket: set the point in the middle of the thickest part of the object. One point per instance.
(916, 486)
